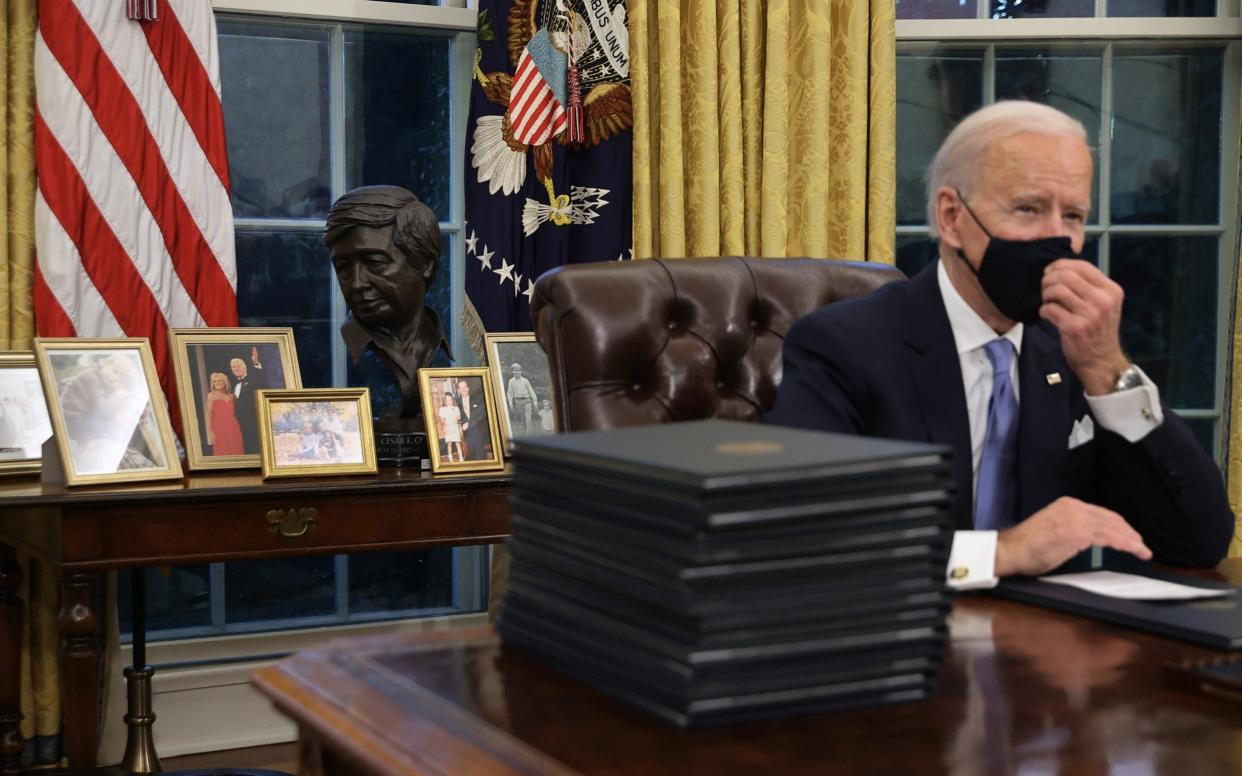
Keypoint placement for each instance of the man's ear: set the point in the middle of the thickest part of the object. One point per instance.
(948, 216)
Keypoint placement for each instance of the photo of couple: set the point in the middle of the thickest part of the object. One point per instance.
(226, 378)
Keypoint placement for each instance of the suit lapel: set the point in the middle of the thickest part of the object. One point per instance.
(936, 373)
(1043, 414)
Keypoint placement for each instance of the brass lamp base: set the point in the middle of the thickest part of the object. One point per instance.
(140, 755)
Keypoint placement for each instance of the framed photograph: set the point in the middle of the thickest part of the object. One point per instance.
(460, 412)
(219, 373)
(109, 416)
(315, 431)
(522, 383)
(24, 424)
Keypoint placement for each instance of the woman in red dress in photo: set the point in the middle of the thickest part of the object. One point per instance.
(223, 430)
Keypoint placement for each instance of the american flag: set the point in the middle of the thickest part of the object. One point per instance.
(535, 112)
(133, 226)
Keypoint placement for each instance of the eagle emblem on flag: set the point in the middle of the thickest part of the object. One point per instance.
(569, 85)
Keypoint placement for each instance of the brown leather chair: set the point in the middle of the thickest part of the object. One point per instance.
(654, 341)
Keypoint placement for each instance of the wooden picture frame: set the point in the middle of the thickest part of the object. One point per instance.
(109, 415)
(467, 446)
(533, 416)
(316, 431)
(219, 431)
(24, 422)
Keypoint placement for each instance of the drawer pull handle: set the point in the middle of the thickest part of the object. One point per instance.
(292, 523)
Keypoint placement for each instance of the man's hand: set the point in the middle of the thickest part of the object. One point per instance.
(1085, 306)
(1060, 531)
(254, 357)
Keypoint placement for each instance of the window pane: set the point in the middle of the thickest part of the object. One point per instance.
(1168, 324)
(935, 90)
(1204, 430)
(1161, 7)
(1166, 137)
(380, 581)
(1066, 80)
(1041, 9)
(936, 9)
(397, 113)
(279, 589)
(283, 279)
(274, 84)
(179, 599)
(914, 252)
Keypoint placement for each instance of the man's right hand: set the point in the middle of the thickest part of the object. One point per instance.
(1060, 531)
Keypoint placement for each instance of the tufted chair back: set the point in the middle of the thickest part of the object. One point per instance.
(639, 342)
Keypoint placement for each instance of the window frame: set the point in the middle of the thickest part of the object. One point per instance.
(455, 21)
(1108, 32)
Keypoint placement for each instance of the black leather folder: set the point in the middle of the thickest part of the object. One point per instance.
(1213, 622)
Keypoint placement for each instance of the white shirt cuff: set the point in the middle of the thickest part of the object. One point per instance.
(972, 561)
(1132, 414)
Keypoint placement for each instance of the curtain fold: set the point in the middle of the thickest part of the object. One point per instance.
(40, 686)
(1233, 463)
(764, 128)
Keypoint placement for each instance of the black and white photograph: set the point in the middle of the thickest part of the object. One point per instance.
(523, 386)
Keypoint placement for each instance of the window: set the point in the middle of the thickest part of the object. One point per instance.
(315, 106)
(1162, 116)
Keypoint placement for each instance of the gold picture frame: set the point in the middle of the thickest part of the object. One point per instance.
(109, 415)
(534, 413)
(468, 447)
(312, 432)
(24, 422)
(220, 431)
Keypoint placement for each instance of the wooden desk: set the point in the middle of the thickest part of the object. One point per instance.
(1023, 690)
(200, 519)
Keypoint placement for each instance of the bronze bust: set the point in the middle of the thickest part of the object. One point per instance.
(385, 247)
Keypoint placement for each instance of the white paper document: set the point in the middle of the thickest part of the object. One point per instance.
(1130, 586)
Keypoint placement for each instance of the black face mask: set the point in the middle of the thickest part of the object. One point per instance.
(1011, 271)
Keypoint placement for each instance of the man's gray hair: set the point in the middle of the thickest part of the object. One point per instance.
(956, 164)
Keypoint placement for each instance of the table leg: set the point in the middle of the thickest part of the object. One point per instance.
(81, 666)
(11, 743)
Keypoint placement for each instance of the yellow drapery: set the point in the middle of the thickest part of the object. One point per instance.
(764, 128)
(40, 688)
(1233, 469)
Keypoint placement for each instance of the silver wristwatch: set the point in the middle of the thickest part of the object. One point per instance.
(1129, 378)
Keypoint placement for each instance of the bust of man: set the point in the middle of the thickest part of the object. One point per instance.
(385, 247)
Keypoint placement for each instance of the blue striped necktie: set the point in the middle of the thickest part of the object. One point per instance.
(996, 499)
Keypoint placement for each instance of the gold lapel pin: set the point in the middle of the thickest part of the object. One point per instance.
(1053, 378)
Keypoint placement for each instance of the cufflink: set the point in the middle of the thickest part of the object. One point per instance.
(1053, 378)
(1147, 415)
(959, 572)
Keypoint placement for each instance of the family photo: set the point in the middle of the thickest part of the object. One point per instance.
(316, 432)
(219, 373)
(107, 410)
(523, 386)
(24, 424)
(461, 416)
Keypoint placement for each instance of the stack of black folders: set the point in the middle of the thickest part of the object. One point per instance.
(715, 571)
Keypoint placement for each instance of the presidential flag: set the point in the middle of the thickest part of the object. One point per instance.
(133, 226)
(548, 145)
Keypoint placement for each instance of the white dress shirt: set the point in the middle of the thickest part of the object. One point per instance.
(1132, 414)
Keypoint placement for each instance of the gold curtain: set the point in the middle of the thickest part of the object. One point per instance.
(764, 128)
(1233, 469)
(40, 687)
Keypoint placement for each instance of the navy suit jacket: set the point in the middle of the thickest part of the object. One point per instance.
(886, 365)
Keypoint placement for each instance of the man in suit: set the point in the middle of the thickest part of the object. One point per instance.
(1008, 350)
(250, 379)
(474, 425)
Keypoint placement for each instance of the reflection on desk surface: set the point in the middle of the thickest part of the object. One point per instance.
(1023, 690)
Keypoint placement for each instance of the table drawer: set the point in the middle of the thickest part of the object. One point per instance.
(303, 524)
